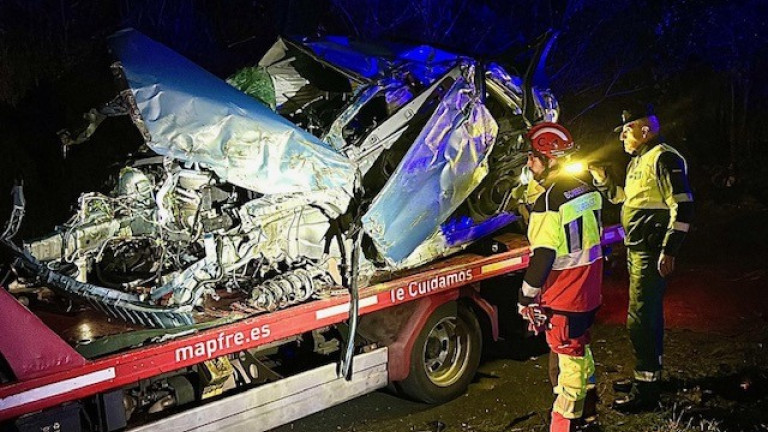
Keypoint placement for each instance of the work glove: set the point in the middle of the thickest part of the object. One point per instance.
(536, 316)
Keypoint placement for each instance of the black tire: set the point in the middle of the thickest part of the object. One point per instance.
(445, 356)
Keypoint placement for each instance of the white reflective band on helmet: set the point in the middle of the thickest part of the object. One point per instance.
(530, 291)
(560, 134)
(682, 197)
(681, 226)
(645, 376)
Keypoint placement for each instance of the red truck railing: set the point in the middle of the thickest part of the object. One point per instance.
(80, 379)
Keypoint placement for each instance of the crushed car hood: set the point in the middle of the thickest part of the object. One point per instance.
(193, 116)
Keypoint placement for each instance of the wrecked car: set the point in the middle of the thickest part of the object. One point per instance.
(326, 163)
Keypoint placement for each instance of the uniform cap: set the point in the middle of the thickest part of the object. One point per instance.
(634, 112)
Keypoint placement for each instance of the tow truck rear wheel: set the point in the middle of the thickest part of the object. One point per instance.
(445, 356)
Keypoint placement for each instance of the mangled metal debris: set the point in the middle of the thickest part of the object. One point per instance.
(263, 194)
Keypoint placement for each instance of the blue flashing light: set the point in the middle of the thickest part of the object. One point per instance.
(424, 62)
(464, 229)
(426, 54)
(337, 51)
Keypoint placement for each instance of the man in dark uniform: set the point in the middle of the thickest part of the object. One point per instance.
(656, 215)
(561, 288)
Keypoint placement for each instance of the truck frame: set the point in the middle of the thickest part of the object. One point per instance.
(421, 332)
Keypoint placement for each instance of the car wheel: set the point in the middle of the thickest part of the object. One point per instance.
(445, 356)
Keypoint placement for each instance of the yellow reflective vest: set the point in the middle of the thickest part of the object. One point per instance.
(566, 220)
(657, 198)
(642, 190)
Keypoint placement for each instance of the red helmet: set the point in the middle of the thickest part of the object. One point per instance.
(552, 140)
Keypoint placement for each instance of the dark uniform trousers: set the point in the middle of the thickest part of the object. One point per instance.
(645, 317)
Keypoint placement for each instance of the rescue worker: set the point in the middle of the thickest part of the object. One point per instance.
(656, 215)
(561, 288)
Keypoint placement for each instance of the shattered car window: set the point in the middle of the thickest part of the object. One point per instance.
(256, 187)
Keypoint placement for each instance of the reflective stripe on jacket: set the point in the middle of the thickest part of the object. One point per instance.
(565, 222)
(657, 197)
(642, 189)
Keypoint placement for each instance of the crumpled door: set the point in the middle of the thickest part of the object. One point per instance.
(444, 164)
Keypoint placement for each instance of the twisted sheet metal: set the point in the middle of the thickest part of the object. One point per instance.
(445, 163)
(193, 116)
(118, 304)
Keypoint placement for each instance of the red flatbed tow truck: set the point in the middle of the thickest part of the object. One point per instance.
(421, 331)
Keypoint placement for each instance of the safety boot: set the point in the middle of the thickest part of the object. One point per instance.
(642, 397)
(588, 420)
(623, 385)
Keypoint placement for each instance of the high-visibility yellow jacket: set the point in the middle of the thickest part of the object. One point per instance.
(564, 232)
(657, 199)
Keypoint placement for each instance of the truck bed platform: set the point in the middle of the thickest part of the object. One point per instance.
(88, 377)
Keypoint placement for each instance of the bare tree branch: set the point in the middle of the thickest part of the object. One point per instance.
(351, 22)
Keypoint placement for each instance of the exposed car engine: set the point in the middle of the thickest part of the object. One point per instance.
(263, 193)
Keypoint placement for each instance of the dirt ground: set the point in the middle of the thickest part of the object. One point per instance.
(716, 355)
